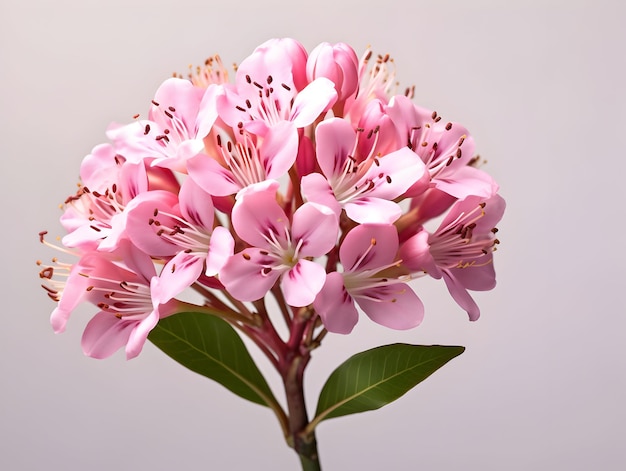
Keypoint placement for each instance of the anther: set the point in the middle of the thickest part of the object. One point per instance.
(248, 79)
(286, 87)
(172, 109)
(155, 103)
(459, 153)
(245, 256)
(448, 126)
(248, 104)
(41, 236)
(269, 79)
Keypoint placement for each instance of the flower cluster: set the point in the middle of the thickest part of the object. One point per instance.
(307, 178)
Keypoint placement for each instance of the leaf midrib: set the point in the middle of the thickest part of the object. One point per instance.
(325, 413)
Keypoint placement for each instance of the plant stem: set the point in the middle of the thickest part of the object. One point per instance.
(303, 442)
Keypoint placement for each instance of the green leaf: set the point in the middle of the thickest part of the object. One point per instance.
(374, 378)
(209, 346)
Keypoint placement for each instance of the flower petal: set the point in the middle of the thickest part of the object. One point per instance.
(335, 306)
(248, 275)
(105, 334)
(196, 205)
(394, 305)
(316, 228)
(315, 188)
(369, 246)
(335, 140)
(211, 176)
(369, 209)
(302, 283)
(221, 247)
(180, 273)
(461, 296)
(317, 97)
(257, 217)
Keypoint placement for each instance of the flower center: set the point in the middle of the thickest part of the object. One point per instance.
(456, 245)
(179, 232)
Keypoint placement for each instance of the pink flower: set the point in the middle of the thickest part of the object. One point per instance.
(166, 225)
(446, 149)
(248, 159)
(94, 217)
(278, 248)
(269, 90)
(461, 250)
(364, 186)
(180, 117)
(128, 293)
(366, 253)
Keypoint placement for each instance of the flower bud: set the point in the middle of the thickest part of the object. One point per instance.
(337, 63)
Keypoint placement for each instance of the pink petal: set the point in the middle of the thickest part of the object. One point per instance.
(180, 273)
(317, 227)
(196, 205)
(221, 247)
(402, 169)
(335, 141)
(139, 334)
(207, 112)
(248, 275)
(105, 334)
(481, 277)
(73, 294)
(372, 210)
(467, 181)
(98, 170)
(211, 176)
(369, 246)
(302, 283)
(143, 234)
(317, 97)
(279, 149)
(315, 188)
(335, 306)
(395, 306)
(415, 254)
(257, 216)
(461, 296)
(183, 97)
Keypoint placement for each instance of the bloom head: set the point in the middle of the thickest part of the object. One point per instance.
(306, 179)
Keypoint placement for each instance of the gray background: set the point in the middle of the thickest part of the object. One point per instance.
(543, 381)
